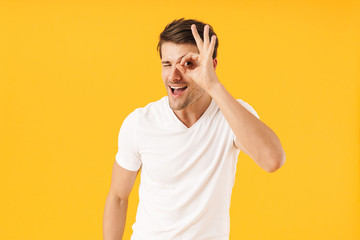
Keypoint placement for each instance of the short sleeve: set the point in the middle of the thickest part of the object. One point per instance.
(249, 108)
(128, 155)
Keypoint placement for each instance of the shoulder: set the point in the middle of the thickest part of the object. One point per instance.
(155, 107)
(150, 112)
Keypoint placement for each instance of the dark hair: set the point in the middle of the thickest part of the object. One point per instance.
(179, 31)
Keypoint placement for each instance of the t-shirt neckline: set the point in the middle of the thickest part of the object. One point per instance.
(181, 124)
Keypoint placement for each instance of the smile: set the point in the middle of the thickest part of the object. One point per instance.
(177, 91)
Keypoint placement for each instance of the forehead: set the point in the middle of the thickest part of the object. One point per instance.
(173, 51)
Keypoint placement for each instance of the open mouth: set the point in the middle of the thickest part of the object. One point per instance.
(177, 91)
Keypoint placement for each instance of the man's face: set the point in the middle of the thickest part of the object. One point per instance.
(182, 91)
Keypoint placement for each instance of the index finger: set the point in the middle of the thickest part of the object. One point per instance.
(198, 40)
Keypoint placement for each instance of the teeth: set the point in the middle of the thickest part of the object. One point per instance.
(176, 87)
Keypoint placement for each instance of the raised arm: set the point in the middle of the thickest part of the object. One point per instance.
(253, 136)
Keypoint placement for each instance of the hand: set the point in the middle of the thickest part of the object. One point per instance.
(200, 67)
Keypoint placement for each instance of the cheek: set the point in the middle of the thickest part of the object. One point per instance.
(163, 76)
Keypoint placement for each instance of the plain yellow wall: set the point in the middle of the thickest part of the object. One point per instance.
(71, 71)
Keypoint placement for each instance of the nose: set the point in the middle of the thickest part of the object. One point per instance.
(175, 74)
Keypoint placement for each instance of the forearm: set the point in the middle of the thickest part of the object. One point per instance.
(114, 218)
(261, 143)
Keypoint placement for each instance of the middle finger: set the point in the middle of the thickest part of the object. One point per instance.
(206, 36)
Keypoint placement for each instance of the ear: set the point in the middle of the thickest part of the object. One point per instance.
(215, 63)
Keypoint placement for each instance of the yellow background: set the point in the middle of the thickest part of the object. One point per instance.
(71, 71)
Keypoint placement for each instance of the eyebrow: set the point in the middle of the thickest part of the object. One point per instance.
(169, 62)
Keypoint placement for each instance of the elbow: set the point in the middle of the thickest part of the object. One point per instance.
(277, 162)
(116, 197)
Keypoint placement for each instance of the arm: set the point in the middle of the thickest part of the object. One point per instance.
(252, 135)
(117, 202)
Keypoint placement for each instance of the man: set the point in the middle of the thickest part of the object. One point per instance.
(186, 145)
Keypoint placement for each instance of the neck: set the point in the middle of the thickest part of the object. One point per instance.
(192, 113)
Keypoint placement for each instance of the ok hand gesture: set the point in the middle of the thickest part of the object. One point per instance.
(200, 67)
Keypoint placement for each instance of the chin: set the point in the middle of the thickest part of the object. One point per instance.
(178, 105)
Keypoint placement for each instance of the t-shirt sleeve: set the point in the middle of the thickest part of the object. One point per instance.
(128, 155)
(249, 108)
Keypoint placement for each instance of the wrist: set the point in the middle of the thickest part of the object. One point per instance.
(214, 88)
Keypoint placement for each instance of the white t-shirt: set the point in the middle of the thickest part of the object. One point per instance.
(187, 174)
